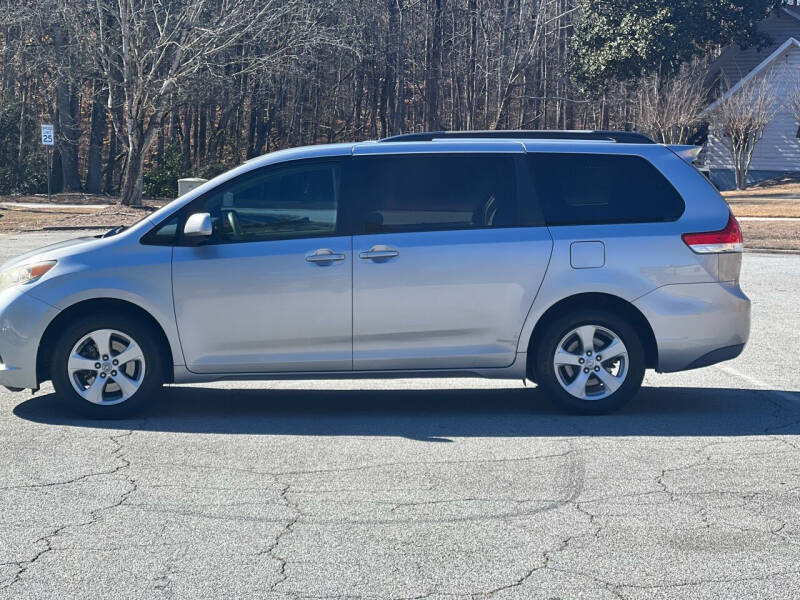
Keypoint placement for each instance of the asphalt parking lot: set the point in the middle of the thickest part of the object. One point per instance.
(419, 489)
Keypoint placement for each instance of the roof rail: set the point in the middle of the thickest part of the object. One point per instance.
(625, 137)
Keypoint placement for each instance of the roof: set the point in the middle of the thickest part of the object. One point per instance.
(779, 51)
(735, 61)
(793, 11)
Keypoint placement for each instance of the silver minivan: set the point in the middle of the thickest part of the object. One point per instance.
(572, 259)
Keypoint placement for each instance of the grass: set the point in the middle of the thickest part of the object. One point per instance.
(766, 189)
(767, 199)
(767, 208)
(771, 235)
(29, 218)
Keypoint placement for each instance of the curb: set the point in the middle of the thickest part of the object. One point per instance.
(770, 251)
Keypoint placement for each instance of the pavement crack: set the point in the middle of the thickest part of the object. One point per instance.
(288, 528)
(48, 539)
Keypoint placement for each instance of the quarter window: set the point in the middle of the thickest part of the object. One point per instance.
(584, 189)
(437, 192)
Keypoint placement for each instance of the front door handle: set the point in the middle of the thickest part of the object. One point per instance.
(324, 256)
(379, 253)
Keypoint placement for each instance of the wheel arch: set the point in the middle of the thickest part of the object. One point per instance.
(94, 305)
(594, 300)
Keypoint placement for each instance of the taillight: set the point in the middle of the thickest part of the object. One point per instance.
(724, 240)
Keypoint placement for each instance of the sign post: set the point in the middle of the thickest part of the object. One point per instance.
(48, 141)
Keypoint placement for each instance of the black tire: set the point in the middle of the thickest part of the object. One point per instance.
(138, 330)
(546, 373)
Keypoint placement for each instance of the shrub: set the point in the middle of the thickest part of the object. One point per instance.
(161, 180)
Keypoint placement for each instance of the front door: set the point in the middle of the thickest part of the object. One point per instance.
(447, 263)
(272, 290)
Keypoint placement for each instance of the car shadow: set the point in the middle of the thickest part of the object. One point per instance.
(440, 414)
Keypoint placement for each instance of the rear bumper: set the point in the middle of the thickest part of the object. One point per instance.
(23, 320)
(697, 324)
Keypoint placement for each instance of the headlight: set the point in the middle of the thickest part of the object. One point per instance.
(24, 273)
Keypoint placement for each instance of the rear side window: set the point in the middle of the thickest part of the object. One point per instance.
(437, 192)
(585, 189)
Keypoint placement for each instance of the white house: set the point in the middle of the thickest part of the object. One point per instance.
(778, 153)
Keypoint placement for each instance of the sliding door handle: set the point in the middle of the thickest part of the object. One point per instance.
(324, 256)
(379, 253)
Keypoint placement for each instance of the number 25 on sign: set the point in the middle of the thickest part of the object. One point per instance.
(47, 135)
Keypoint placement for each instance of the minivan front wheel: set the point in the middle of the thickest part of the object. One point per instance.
(590, 362)
(107, 366)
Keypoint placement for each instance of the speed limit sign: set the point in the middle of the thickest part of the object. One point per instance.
(47, 135)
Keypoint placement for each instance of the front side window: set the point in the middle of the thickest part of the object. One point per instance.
(278, 202)
(585, 189)
(281, 202)
(436, 192)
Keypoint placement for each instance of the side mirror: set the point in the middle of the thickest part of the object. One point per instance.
(198, 225)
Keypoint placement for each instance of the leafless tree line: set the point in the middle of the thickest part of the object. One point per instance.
(215, 82)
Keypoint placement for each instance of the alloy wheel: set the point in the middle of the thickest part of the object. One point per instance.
(591, 362)
(106, 367)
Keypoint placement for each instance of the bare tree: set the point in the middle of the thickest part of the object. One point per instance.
(793, 99)
(741, 117)
(669, 108)
(133, 84)
(149, 49)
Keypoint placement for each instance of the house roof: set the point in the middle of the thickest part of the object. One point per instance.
(792, 10)
(736, 61)
(779, 51)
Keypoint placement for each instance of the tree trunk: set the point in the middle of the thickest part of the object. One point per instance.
(187, 139)
(112, 184)
(9, 72)
(204, 114)
(395, 72)
(141, 135)
(111, 164)
(21, 134)
(68, 132)
(94, 170)
(251, 128)
(434, 69)
(133, 175)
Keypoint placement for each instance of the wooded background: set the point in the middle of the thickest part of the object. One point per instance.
(142, 92)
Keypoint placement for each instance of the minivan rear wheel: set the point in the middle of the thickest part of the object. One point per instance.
(107, 365)
(590, 362)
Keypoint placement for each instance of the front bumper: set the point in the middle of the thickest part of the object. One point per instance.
(697, 324)
(23, 320)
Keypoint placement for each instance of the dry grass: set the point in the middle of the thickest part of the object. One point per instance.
(766, 199)
(771, 235)
(62, 198)
(766, 190)
(30, 219)
(24, 218)
(765, 208)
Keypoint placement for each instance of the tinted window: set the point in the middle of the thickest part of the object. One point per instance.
(280, 202)
(437, 192)
(602, 188)
(166, 233)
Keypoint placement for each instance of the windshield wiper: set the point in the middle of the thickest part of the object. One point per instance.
(114, 231)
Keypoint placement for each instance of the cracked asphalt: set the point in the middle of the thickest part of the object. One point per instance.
(419, 489)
